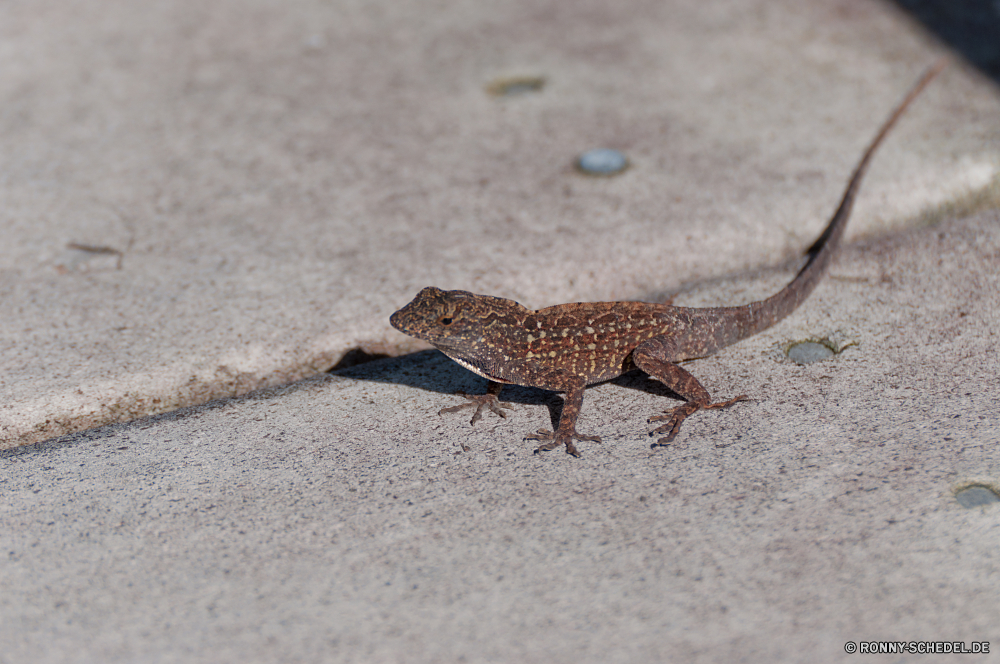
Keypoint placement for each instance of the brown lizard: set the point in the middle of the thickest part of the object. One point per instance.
(567, 347)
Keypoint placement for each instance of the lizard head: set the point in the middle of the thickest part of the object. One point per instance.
(452, 319)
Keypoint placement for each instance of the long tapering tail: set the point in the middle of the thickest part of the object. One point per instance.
(752, 318)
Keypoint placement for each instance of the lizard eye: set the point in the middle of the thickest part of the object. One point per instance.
(446, 320)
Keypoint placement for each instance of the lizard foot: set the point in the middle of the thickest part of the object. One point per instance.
(557, 440)
(676, 416)
(479, 401)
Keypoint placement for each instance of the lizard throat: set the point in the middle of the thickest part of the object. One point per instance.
(476, 369)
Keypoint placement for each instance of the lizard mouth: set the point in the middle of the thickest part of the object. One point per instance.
(396, 320)
(404, 323)
(408, 323)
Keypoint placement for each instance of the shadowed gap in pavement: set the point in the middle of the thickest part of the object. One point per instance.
(970, 27)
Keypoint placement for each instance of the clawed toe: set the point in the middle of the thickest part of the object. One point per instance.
(479, 402)
(726, 404)
(555, 440)
(673, 426)
(570, 447)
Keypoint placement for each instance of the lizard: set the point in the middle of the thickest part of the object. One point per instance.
(567, 347)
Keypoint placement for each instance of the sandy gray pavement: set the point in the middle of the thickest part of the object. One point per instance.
(279, 177)
(338, 519)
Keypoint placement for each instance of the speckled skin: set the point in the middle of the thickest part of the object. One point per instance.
(569, 346)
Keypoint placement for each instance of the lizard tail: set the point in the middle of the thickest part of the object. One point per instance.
(752, 318)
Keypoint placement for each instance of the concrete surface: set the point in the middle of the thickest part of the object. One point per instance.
(202, 199)
(339, 520)
(280, 177)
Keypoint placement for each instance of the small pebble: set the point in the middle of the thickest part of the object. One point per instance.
(808, 352)
(515, 86)
(975, 496)
(602, 161)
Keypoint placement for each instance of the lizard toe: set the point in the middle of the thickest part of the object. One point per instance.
(726, 404)
(675, 417)
(556, 440)
(556, 443)
(479, 402)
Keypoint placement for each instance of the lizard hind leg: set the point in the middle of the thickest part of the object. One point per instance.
(489, 400)
(653, 357)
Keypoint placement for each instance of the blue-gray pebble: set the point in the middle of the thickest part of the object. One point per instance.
(975, 496)
(602, 161)
(808, 352)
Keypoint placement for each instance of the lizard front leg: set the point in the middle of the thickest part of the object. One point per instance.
(489, 400)
(566, 432)
(656, 357)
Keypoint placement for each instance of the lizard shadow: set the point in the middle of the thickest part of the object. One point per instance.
(433, 371)
(429, 370)
(634, 379)
(970, 27)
